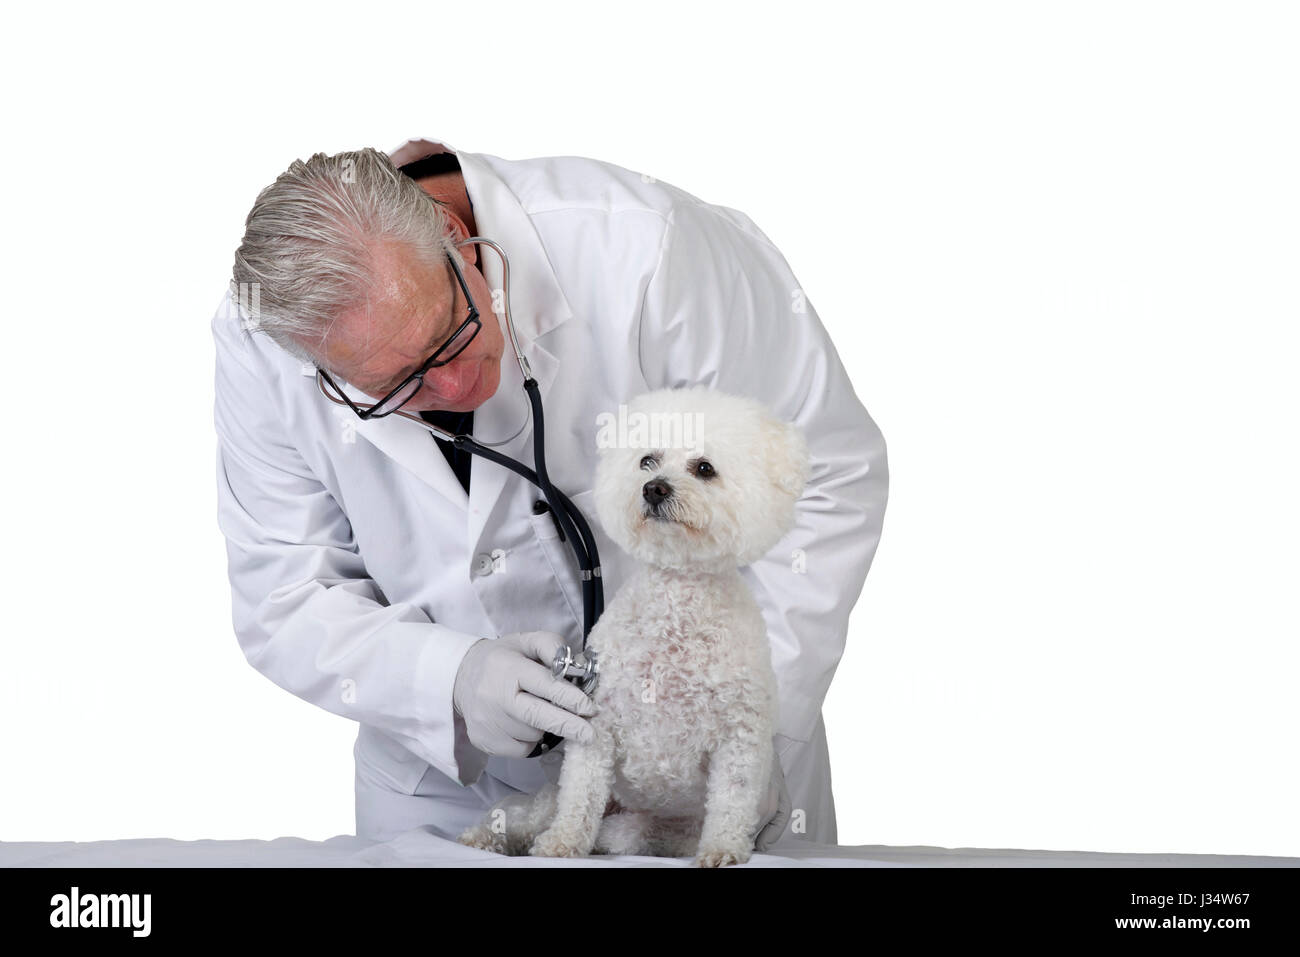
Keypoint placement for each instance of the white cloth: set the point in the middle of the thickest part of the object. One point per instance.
(360, 570)
(419, 847)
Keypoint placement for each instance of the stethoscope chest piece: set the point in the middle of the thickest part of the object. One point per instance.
(582, 666)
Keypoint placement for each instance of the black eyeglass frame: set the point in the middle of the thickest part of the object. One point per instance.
(433, 362)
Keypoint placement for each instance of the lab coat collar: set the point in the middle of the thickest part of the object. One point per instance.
(537, 306)
(537, 302)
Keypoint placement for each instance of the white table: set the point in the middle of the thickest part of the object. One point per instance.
(421, 848)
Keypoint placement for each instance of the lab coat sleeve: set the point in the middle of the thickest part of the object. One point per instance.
(305, 612)
(723, 309)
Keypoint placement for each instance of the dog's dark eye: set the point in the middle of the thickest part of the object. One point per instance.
(649, 462)
(704, 470)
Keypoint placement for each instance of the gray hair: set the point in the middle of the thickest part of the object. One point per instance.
(306, 252)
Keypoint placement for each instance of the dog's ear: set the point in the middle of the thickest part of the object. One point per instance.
(786, 453)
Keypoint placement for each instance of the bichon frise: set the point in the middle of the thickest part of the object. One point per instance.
(700, 484)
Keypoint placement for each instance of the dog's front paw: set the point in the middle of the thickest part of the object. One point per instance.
(720, 856)
(484, 839)
(553, 843)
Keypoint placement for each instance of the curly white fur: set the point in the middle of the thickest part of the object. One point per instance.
(687, 697)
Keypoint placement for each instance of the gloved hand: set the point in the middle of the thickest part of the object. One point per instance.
(774, 812)
(507, 696)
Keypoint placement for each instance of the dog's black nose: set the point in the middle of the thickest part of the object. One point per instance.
(655, 491)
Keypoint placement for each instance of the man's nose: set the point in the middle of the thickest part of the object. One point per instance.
(656, 490)
(451, 380)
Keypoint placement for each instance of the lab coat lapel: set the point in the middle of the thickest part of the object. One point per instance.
(405, 442)
(537, 306)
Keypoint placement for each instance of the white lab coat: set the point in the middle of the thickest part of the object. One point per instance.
(360, 570)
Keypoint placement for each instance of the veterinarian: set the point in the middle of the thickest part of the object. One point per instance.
(369, 561)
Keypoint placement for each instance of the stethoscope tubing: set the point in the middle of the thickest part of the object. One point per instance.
(572, 523)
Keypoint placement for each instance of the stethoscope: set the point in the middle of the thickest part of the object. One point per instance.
(578, 666)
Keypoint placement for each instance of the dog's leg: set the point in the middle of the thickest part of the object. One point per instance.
(644, 834)
(585, 781)
(624, 832)
(674, 836)
(511, 825)
(739, 773)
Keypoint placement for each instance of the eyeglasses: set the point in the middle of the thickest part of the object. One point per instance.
(409, 386)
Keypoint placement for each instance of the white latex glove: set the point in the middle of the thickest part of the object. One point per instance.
(507, 696)
(774, 812)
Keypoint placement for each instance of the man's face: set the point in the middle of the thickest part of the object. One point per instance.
(416, 310)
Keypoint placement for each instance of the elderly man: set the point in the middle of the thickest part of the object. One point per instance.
(388, 577)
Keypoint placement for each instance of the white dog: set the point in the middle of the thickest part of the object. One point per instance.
(701, 484)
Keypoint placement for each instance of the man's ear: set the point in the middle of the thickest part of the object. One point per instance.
(459, 233)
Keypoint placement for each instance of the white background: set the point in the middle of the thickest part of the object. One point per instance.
(1055, 244)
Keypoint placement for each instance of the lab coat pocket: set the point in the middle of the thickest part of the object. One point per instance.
(615, 564)
(782, 744)
(560, 557)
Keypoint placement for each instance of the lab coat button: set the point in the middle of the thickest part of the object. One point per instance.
(483, 563)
